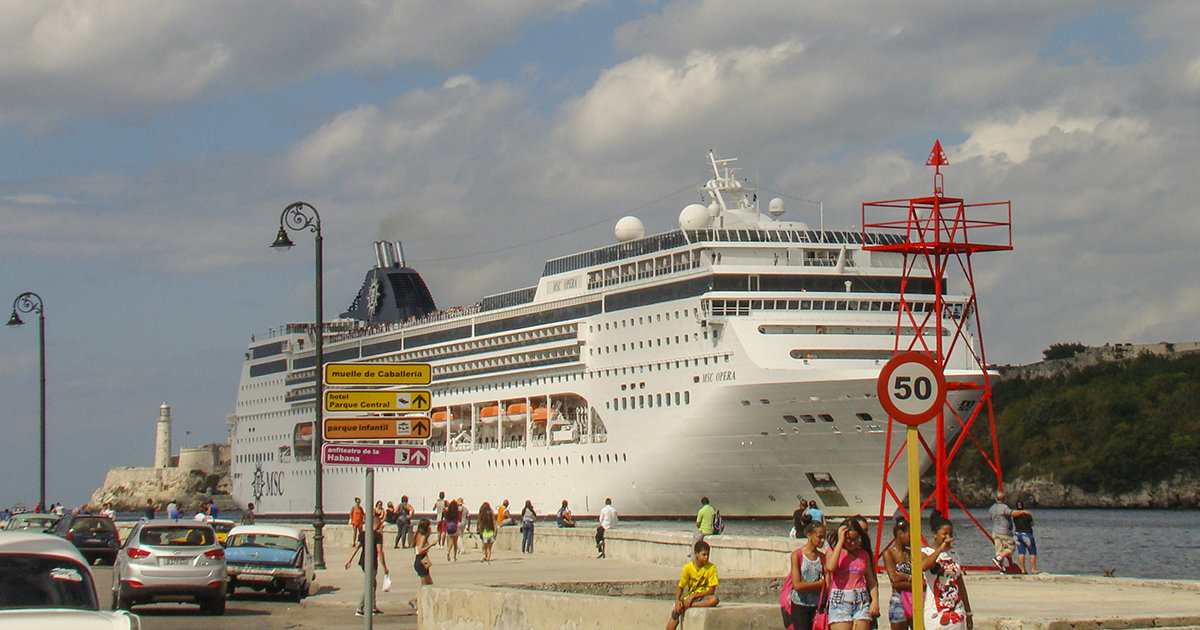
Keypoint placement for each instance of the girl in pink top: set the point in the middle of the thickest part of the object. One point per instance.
(853, 590)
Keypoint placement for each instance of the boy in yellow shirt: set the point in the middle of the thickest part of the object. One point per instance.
(697, 584)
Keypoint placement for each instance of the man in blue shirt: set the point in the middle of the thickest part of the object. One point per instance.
(813, 511)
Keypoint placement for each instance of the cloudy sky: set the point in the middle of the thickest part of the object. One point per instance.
(148, 147)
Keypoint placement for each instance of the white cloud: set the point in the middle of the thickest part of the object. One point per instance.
(649, 99)
(120, 56)
(1012, 139)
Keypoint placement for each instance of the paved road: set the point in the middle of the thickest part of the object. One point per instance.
(331, 607)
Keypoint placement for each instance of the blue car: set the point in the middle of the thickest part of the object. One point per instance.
(271, 558)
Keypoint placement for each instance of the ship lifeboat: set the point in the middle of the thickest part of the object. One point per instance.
(540, 414)
(489, 413)
(516, 412)
(440, 417)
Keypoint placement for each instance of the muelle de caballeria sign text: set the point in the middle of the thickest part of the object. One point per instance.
(378, 374)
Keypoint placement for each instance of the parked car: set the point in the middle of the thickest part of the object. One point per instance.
(32, 522)
(273, 558)
(222, 526)
(170, 560)
(46, 583)
(95, 536)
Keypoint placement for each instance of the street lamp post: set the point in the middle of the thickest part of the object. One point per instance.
(30, 302)
(302, 216)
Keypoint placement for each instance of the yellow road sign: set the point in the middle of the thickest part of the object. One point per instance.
(362, 401)
(378, 373)
(376, 428)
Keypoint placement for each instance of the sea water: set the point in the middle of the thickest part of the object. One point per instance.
(1161, 544)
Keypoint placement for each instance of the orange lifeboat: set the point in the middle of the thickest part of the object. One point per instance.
(489, 413)
(540, 414)
(516, 412)
(440, 417)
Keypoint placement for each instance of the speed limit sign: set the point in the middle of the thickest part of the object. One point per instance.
(912, 388)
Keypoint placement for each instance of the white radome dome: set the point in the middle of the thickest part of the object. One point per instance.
(776, 207)
(629, 229)
(693, 217)
(714, 209)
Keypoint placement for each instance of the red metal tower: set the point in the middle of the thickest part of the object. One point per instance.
(939, 240)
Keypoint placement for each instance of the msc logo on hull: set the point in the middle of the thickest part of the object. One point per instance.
(267, 484)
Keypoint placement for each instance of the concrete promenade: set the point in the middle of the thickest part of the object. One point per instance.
(459, 598)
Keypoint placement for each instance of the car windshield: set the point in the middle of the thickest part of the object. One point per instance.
(177, 536)
(37, 581)
(36, 522)
(94, 524)
(263, 540)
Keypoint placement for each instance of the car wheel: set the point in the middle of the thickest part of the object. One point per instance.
(274, 588)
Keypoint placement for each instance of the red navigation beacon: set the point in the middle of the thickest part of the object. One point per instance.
(941, 233)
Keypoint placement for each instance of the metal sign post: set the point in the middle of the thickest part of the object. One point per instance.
(912, 389)
(369, 552)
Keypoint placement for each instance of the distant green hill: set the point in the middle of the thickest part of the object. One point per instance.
(1112, 427)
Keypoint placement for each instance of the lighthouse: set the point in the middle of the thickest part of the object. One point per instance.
(162, 439)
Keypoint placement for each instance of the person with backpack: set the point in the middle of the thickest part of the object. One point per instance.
(704, 520)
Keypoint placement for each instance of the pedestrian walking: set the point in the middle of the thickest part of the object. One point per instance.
(806, 577)
(150, 511)
(853, 589)
(528, 515)
(608, 520)
(422, 543)
(248, 514)
(1002, 534)
(452, 518)
(1023, 531)
(404, 514)
(898, 560)
(947, 606)
(360, 544)
(357, 516)
(697, 584)
(486, 524)
(439, 515)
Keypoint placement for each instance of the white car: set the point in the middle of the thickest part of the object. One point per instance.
(274, 558)
(46, 583)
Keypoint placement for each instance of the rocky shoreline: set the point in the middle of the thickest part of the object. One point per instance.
(1179, 492)
(127, 488)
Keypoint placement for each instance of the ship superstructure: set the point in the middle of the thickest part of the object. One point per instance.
(735, 358)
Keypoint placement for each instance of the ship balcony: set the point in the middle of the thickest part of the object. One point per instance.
(300, 394)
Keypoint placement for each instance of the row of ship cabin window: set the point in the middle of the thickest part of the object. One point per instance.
(625, 403)
(622, 323)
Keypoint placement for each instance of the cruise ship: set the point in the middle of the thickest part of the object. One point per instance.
(735, 357)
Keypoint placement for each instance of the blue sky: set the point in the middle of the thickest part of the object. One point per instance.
(147, 149)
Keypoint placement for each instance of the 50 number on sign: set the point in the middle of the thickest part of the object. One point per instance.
(912, 388)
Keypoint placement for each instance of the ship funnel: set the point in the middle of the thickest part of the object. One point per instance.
(388, 254)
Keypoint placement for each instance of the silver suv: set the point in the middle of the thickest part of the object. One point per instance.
(170, 560)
